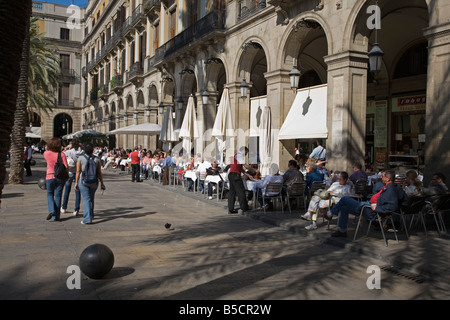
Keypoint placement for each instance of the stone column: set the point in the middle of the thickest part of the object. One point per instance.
(437, 130)
(346, 112)
(279, 98)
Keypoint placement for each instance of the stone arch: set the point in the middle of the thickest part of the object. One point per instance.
(252, 64)
(62, 124)
(306, 42)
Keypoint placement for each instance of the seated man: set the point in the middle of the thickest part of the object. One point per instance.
(292, 174)
(260, 187)
(389, 199)
(357, 174)
(436, 188)
(338, 189)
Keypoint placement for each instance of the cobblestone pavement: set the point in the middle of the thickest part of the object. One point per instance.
(206, 254)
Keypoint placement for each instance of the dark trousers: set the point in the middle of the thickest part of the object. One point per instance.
(236, 188)
(135, 172)
(27, 167)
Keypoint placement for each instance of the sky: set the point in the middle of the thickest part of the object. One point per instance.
(80, 3)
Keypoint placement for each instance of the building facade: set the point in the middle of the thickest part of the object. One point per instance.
(53, 24)
(139, 55)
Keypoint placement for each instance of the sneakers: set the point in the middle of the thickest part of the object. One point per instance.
(328, 215)
(63, 210)
(232, 211)
(311, 227)
(210, 198)
(75, 213)
(306, 216)
(50, 215)
(82, 222)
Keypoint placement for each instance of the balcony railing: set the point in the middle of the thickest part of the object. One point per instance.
(152, 7)
(66, 103)
(213, 21)
(68, 73)
(244, 12)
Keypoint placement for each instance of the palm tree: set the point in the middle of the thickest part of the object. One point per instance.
(16, 15)
(39, 77)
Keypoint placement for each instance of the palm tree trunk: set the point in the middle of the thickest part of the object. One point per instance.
(20, 116)
(17, 14)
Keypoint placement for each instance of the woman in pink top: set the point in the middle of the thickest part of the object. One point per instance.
(54, 186)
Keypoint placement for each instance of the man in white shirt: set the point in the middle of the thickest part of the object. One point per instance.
(72, 152)
(319, 152)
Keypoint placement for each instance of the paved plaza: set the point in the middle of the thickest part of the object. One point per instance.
(206, 254)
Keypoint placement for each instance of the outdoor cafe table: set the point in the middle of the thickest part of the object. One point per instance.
(215, 179)
(249, 187)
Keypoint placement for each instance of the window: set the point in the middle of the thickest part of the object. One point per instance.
(65, 34)
(64, 61)
(63, 94)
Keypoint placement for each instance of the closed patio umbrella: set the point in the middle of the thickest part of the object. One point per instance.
(168, 134)
(223, 125)
(189, 129)
(266, 141)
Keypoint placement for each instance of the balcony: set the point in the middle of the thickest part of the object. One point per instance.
(152, 8)
(138, 18)
(116, 84)
(127, 29)
(68, 73)
(204, 29)
(103, 92)
(244, 12)
(135, 75)
(66, 103)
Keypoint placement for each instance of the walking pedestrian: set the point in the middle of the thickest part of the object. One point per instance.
(235, 180)
(28, 155)
(72, 152)
(88, 167)
(54, 185)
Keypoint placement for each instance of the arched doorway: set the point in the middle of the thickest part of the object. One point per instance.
(62, 125)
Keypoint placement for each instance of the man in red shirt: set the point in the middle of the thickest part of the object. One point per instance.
(135, 165)
(236, 184)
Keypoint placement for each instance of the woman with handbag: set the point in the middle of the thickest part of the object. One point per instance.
(325, 198)
(55, 184)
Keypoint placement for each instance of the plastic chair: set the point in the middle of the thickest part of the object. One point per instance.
(379, 218)
(276, 190)
(296, 190)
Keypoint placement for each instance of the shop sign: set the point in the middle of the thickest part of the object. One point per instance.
(409, 103)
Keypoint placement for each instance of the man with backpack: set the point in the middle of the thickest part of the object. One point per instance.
(88, 175)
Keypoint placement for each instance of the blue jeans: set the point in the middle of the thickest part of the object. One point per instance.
(349, 205)
(88, 193)
(67, 189)
(54, 195)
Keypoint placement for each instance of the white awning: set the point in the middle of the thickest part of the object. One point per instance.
(307, 117)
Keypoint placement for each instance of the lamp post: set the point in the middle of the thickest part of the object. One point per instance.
(375, 54)
(244, 85)
(147, 111)
(205, 97)
(294, 75)
(161, 108)
(180, 103)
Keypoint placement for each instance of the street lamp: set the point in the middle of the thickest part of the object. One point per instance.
(375, 54)
(135, 114)
(147, 111)
(294, 77)
(180, 103)
(125, 116)
(161, 107)
(244, 87)
(205, 97)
